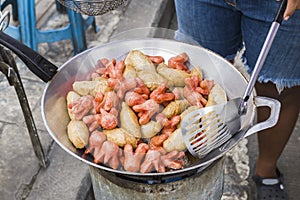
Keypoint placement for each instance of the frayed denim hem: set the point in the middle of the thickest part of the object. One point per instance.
(230, 57)
(239, 55)
(280, 84)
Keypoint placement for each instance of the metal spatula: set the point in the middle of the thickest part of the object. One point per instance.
(206, 129)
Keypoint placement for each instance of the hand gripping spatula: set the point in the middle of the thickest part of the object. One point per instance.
(206, 129)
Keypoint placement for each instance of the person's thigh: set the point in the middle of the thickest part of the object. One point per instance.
(282, 65)
(214, 24)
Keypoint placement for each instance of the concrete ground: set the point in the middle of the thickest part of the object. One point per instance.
(65, 177)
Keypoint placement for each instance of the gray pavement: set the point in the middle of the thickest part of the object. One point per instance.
(21, 176)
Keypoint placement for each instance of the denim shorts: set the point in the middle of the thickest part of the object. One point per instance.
(225, 26)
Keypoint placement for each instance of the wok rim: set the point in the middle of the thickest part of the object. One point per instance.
(162, 175)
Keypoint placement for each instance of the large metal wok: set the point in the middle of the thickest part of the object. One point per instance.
(54, 108)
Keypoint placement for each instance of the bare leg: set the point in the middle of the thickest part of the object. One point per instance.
(271, 142)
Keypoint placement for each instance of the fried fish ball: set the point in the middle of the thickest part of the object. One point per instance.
(175, 142)
(91, 87)
(174, 77)
(216, 96)
(121, 137)
(78, 133)
(150, 129)
(129, 121)
(71, 97)
(175, 108)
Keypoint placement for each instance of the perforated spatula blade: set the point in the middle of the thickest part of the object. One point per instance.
(206, 129)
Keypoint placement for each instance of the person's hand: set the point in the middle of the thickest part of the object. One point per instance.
(292, 5)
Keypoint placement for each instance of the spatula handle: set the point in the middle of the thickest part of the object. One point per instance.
(263, 54)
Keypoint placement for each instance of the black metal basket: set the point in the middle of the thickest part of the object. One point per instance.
(92, 7)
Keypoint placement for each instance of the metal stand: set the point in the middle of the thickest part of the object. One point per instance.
(9, 68)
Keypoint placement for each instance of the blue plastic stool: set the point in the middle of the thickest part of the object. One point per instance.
(29, 34)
